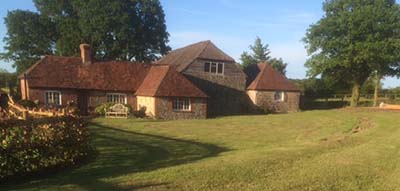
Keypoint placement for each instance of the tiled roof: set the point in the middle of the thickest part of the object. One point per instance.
(163, 80)
(144, 79)
(263, 77)
(183, 57)
(70, 72)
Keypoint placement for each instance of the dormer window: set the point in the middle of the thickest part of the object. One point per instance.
(214, 67)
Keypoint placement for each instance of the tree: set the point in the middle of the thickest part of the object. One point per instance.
(260, 53)
(132, 30)
(247, 59)
(29, 36)
(351, 39)
(8, 81)
(278, 64)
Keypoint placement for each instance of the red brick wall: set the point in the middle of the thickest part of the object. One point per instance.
(95, 97)
(99, 97)
(39, 95)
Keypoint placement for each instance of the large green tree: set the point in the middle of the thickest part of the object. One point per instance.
(260, 53)
(351, 39)
(29, 36)
(132, 30)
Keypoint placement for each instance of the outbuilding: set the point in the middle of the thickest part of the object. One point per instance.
(271, 91)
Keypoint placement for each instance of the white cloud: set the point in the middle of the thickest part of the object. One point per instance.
(286, 20)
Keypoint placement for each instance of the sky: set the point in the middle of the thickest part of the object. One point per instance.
(232, 25)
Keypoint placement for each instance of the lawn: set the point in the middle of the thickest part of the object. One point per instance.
(315, 150)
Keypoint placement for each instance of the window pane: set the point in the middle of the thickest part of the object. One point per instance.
(53, 97)
(56, 98)
(279, 96)
(213, 67)
(181, 104)
(207, 67)
(116, 98)
(220, 68)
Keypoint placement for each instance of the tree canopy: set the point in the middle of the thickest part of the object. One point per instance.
(261, 53)
(353, 39)
(123, 30)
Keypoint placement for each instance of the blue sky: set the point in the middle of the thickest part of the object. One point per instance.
(232, 25)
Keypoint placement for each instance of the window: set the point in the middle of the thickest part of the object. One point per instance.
(207, 67)
(53, 97)
(279, 96)
(181, 104)
(214, 67)
(116, 98)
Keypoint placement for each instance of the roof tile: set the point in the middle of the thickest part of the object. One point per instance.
(263, 77)
(183, 57)
(163, 80)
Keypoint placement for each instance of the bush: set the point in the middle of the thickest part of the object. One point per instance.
(101, 108)
(141, 113)
(27, 103)
(33, 146)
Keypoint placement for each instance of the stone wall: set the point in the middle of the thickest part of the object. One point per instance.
(163, 109)
(148, 103)
(226, 91)
(264, 100)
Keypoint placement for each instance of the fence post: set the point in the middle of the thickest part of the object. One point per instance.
(25, 115)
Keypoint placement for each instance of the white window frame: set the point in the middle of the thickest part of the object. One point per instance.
(281, 98)
(116, 98)
(51, 94)
(216, 64)
(181, 104)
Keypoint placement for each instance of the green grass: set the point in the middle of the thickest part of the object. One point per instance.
(315, 150)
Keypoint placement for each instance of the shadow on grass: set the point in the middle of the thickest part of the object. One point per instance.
(122, 152)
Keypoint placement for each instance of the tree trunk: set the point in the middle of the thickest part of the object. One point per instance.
(355, 95)
(376, 90)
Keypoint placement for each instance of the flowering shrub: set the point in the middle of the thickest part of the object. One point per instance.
(32, 146)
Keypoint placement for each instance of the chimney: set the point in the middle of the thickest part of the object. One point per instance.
(86, 53)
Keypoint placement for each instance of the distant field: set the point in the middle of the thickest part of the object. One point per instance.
(316, 150)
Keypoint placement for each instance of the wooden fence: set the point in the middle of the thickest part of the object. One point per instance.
(20, 112)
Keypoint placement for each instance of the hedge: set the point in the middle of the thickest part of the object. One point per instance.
(28, 147)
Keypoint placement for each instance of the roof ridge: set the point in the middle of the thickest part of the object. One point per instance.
(208, 42)
(257, 80)
(198, 54)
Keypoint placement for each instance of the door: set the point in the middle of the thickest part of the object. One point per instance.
(83, 102)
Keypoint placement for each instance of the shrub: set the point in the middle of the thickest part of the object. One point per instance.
(101, 108)
(33, 146)
(141, 113)
(27, 103)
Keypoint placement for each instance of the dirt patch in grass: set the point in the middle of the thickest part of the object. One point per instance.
(363, 124)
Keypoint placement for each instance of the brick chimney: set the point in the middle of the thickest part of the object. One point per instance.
(86, 53)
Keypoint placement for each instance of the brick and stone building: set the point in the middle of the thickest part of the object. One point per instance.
(215, 73)
(195, 81)
(270, 91)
